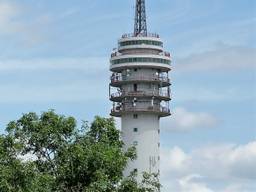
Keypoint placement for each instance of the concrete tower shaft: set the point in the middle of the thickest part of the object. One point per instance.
(140, 92)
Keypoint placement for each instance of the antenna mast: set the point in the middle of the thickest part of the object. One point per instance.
(140, 26)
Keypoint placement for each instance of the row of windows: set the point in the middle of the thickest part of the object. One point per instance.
(140, 42)
(141, 59)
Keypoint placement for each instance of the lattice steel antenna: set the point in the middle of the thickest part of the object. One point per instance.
(140, 26)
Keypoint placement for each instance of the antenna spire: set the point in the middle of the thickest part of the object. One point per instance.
(140, 26)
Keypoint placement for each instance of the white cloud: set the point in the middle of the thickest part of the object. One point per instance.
(223, 58)
(230, 166)
(234, 188)
(174, 160)
(15, 24)
(36, 93)
(183, 120)
(208, 94)
(8, 11)
(187, 184)
(91, 64)
(36, 82)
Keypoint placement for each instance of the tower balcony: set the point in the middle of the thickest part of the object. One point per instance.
(133, 53)
(118, 80)
(152, 41)
(118, 111)
(158, 61)
(121, 95)
(143, 41)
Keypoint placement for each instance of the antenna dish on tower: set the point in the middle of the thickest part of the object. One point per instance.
(140, 26)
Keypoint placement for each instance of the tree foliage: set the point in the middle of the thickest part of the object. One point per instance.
(47, 152)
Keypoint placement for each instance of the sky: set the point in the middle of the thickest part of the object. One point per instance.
(55, 55)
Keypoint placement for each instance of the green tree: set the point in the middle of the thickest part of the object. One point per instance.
(49, 153)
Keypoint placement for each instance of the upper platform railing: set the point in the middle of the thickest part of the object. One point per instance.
(129, 35)
(118, 78)
(163, 95)
(162, 111)
(164, 53)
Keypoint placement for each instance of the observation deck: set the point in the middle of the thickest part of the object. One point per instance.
(144, 50)
(119, 80)
(119, 96)
(148, 41)
(161, 111)
(159, 61)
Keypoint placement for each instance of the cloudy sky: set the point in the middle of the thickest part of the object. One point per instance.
(54, 55)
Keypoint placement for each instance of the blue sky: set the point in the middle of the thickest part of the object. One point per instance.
(55, 54)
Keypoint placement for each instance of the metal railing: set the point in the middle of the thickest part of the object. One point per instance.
(140, 94)
(128, 35)
(117, 78)
(166, 54)
(154, 108)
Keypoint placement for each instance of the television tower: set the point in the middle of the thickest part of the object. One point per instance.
(140, 92)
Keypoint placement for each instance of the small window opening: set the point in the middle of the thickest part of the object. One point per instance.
(135, 87)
